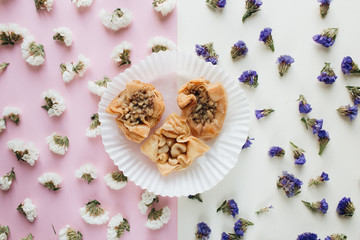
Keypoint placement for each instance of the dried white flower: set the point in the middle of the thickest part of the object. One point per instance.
(98, 87)
(6, 181)
(26, 152)
(11, 34)
(157, 218)
(121, 53)
(3, 236)
(28, 209)
(82, 3)
(147, 199)
(57, 143)
(2, 124)
(32, 53)
(157, 44)
(63, 34)
(3, 66)
(94, 129)
(116, 227)
(44, 4)
(68, 233)
(119, 18)
(4, 232)
(142, 207)
(87, 172)
(93, 214)
(50, 180)
(54, 103)
(164, 6)
(115, 180)
(69, 70)
(12, 113)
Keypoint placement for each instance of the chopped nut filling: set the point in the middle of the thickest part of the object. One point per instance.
(205, 109)
(140, 106)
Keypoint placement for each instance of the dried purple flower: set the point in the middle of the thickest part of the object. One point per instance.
(336, 236)
(321, 206)
(355, 94)
(229, 207)
(284, 63)
(252, 6)
(324, 177)
(196, 197)
(324, 6)
(304, 107)
(290, 184)
(298, 154)
(207, 52)
(250, 78)
(327, 75)
(327, 37)
(263, 113)
(276, 151)
(349, 111)
(216, 3)
(345, 207)
(247, 142)
(266, 37)
(240, 226)
(239, 49)
(323, 139)
(203, 231)
(307, 236)
(315, 124)
(349, 66)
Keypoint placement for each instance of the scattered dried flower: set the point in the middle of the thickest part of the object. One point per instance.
(307, 236)
(44, 4)
(247, 142)
(229, 207)
(196, 197)
(92, 213)
(157, 218)
(54, 103)
(250, 78)
(324, 177)
(3, 66)
(82, 3)
(98, 87)
(345, 207)
(266, 37)
(207, 52)
(116, 227)
(121, 53)
(276, 151)
(324, 6)
(321, 206)
(203, 231)
(116, 180)
(298, 154)
(327, 37)
(68, 233)
(4, 232)
(26, 152)
(32, 52)
(336, 236)
(355, 94)
(304, 107)
(348, 111)
(87, 172)
(6, 181)
(12, 113)
(11, 34)
(117, 19)
(28, 209)
(252, 6)
(289, 184)
(50, 180)
(349, 66)
(263, 113)
(157, 44)
(94, 129)
(327, 74)
(58, 144)
(264, 210)
(284, 63)
(164, 6)
(63, 34)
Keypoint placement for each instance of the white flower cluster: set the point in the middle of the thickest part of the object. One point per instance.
(87, 172)
(82, 3)
(12, 113)
(32, 53)
(44, 4)
(158, 43)
(58, 144)
(157, 218)
(115, 180)
(116, 227)
(69, 70)
(147, 199)
(6, 180)
(3, 66)
(121, 53)
(28, 209)
(94, 129)
(12, 33)
(2, 124)
(164, 6)
(4, 232)
(98, 87)
(92, 213)
(68, 233)
(63, 34)
(26, 152)
(54, 103)
(50, 180)
(119, 18)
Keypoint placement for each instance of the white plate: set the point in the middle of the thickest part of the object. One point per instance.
(167, 71)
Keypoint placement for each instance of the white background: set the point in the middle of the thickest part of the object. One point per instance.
(252, 183)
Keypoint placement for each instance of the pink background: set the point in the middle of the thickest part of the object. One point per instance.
(21, 85)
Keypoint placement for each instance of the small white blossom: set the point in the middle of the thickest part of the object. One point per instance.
(32, 53)
(57, 143)
(121, 53)
(69, 70)
(50, 180)
(44, 4)
(87, 172)
(164, 6)
(54, 103)
(3, 236)
(68, 233)
(26, 152)
(159, 43)
(82, 65)
(82, 3)
(4, 232)
(157, 218)
(119, 18)
(6, 180)
(142, 207)
(94, 129)
(64, 35)
(2, 124)
(12, 113)
(98, 87)
(28, 209)
(93, 214)
(12, 33)
(148, 197)
(115, 180)
(116, 227)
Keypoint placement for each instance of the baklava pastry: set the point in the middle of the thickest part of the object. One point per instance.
(137, 108)
(204, 105)
(172, 147)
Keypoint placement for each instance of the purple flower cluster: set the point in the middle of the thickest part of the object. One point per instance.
(304, 107)
(298, 154)
(240, 228)
(349, 66)
(355, 94)
(247, 142)
(345, 207)
(216, 3)
(263, 113)
(324, 6)
(229, 208)
(336, 236)
(252, 6)
(276, 151)
(250, 78)
(284, 63)
(307, 236)
(203, 231)
(289, 184)
(266, 37)
(239, 49)
(327, 37)
(327, 75)
(349, 111)
(207, 52)
(321, 206)
(316, 125)
(324, 177)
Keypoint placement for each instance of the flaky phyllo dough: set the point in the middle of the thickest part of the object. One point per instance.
(204, 105)
(172, 147)
(138, 108)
